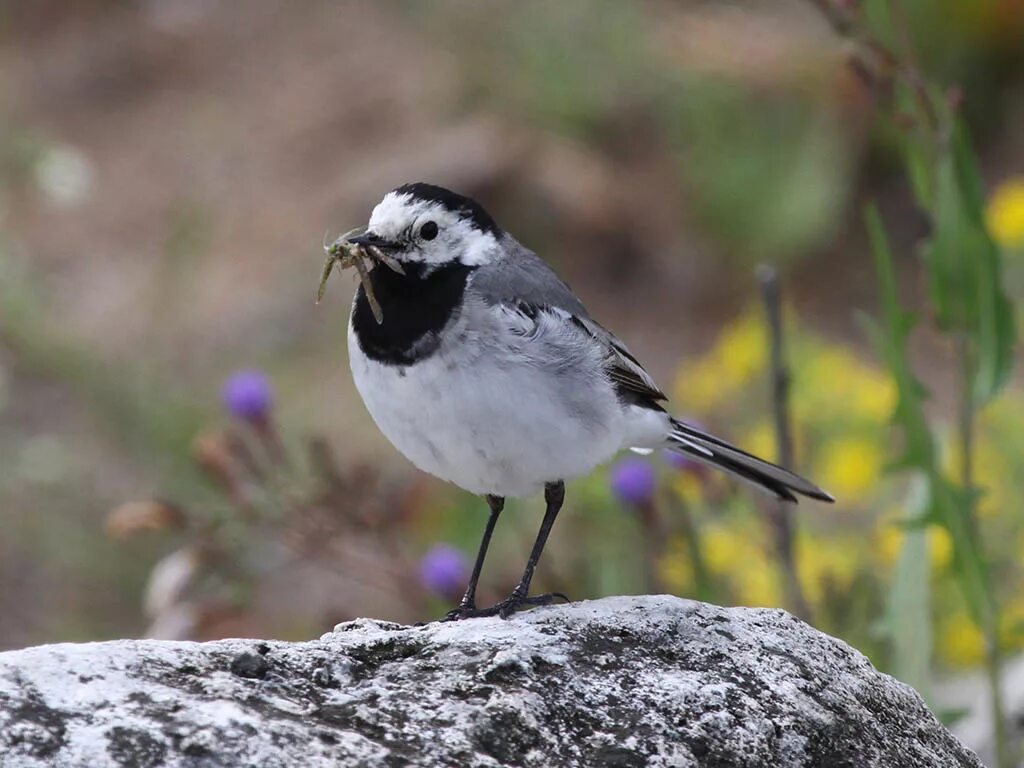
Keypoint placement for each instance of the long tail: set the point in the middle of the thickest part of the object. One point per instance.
(764, 475)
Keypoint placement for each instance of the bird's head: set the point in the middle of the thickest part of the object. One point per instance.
(430, 225)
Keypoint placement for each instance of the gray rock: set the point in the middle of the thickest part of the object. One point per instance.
(626, 681)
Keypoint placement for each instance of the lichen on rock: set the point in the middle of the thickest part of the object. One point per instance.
(627, 681)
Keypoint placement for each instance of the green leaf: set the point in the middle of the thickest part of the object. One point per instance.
(948, 505)
(994, 327)
(965, 270)
(879, 20)
(951, 507)
(908, 615)
(967, 171)
(918, 145)
(946, 254)
(890, 339)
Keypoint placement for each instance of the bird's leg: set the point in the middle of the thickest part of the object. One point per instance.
(554, 495)
(467, 607)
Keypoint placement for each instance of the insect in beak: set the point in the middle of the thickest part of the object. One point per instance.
(386, 259)
(351, 250)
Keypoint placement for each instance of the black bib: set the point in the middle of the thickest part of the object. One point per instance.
(416, 307)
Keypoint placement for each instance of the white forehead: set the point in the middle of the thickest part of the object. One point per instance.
(397, 212)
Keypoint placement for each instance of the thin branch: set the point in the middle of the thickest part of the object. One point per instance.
(781, 512)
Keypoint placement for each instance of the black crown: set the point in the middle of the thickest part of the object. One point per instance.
(466, 207)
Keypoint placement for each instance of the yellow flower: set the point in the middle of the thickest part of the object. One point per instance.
(742, 348)
(697, 385)
(721, 548)
(757, 583)
(960, 642)
(992, 472)
(688, 487)
(1005, 213)
(760, 441)
(1011, 629)
(940, 547)
(874, 396)
(889, 543)
(674, 567)
(826, 562)
(718, 376)
(850, 467)
(733, 553)
(835, 383)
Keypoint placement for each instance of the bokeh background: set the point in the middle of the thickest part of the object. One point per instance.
(182, 452)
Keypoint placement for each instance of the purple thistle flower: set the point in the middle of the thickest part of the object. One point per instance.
(633, 481)
(248, 395)
(683, 463)
(444, 571)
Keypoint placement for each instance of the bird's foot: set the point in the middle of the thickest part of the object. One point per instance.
(505, 608)
(515, 602)
(462, 611)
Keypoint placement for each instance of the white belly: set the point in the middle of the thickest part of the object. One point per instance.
(493, 426)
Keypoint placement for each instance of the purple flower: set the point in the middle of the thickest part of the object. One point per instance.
(444, 571)
(683, 463)
(247, 395)
(633, 481)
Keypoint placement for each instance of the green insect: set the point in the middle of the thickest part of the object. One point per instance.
(346, 254)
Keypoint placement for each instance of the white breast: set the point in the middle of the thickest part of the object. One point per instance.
(480, 414)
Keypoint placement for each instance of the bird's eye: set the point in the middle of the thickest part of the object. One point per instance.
(429, 230)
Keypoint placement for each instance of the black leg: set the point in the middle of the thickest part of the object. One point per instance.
(554, 496)
(467, 607)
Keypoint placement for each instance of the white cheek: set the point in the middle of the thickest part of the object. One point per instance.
(442, 250)
(479, 249)
(434, 252)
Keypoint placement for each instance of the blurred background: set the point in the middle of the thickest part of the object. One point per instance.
(182, 452)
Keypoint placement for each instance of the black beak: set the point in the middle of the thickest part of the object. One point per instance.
(369, 238)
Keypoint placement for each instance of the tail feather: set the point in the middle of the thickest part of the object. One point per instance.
(764, 475)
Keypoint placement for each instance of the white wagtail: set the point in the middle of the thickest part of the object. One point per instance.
(487, 371)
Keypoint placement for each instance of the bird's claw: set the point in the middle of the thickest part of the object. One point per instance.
(505, 608)
(512, 604)
(462, 611)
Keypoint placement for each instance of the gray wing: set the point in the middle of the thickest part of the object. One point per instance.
(520, 280)
(520, 275)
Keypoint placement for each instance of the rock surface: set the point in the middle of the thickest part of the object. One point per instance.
(617, 682)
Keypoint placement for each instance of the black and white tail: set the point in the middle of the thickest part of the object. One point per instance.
(764, 475)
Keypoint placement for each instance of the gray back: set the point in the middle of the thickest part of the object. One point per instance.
(520, 275)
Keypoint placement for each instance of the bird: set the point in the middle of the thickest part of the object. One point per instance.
(483, 368)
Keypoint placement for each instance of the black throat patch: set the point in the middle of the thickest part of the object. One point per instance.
(416, 307)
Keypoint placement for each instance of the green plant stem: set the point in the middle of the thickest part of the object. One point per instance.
(653, 536)
(994, 666)
(966, 414)
(701, 579)
(990, 611)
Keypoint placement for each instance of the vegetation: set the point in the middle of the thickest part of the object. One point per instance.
(865, 150)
